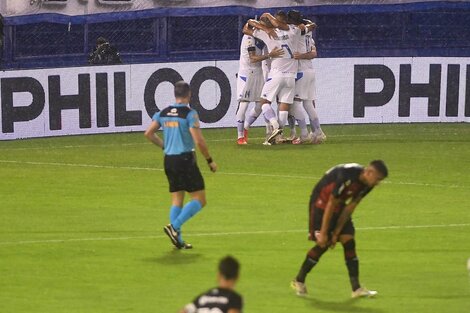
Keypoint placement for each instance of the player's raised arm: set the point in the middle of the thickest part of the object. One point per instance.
(275, 22)
(275, 53)
(309, 25)
(262, 26)
(248, 29)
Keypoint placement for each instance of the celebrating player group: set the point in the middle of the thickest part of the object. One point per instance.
(276, 66)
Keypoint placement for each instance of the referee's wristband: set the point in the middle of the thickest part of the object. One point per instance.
(209, 160)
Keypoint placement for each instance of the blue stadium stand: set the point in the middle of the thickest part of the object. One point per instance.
(198, 34)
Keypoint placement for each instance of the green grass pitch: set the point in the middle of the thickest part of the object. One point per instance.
(82, 216)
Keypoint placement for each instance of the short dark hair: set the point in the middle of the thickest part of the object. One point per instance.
(182, 89)
(380, 166)
(229, 267)
(281, 15)
(294, 17)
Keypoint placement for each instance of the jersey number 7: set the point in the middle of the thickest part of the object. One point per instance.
(288, 50)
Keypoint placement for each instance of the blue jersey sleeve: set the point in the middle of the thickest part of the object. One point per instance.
(193, 119)
(156, 117)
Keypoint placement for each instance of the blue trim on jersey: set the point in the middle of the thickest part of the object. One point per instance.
(268, 79)
(299, 76)
(243, 78)
(176, 136)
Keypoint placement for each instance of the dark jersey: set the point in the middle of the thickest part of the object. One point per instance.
(342, 182)
(217, 300)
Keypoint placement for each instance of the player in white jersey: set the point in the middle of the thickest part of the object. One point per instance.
(250, 82)
(305, 92)
(281, 78)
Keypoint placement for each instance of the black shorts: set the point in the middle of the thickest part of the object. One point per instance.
(182, 172)
(315, 221)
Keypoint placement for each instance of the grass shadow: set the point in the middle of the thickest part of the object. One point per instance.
(349, 306)
(175, 257)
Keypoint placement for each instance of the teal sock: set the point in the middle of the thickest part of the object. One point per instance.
(189, 210)
(174, 212)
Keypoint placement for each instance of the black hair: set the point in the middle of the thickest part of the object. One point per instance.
(294, 17)
(281, 15)
(229, 267)
(380, 166)
(182, 89)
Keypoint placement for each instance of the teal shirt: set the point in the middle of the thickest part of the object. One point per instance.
(175, 121)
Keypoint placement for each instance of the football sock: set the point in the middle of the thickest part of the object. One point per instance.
(312, 115)
(313, 256)
(250, 120)
(269, 128)
(352, 263)
(291, 121)
(189, 210)
(303, 128)
(242, 106)
(283, 118)
(253, 115)
(270, 115)
(299, 115)
(174, 212)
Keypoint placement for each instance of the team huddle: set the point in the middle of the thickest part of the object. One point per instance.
(276, 66)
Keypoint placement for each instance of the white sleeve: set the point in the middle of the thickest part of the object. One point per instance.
(260, 34)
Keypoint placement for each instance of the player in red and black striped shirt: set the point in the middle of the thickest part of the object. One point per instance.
(332, 203)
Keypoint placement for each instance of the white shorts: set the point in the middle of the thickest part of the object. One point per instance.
(280, 88)
(305, 88)
(249, 86)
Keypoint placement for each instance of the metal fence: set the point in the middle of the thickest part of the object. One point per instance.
(166, 38)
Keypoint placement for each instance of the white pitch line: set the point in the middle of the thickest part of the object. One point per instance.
(260, 232)
(146, 143)
(136, 168)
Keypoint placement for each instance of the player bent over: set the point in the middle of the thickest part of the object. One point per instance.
(332, 203)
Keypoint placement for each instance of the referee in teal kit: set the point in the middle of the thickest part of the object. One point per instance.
(181, 132)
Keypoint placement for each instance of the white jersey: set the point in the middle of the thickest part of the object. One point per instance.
(248, 44)
(288, 40)
(305, 45)
(266, 64)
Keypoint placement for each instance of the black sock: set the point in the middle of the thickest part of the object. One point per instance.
(354, 283)
(352, 263)
(313, 256)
